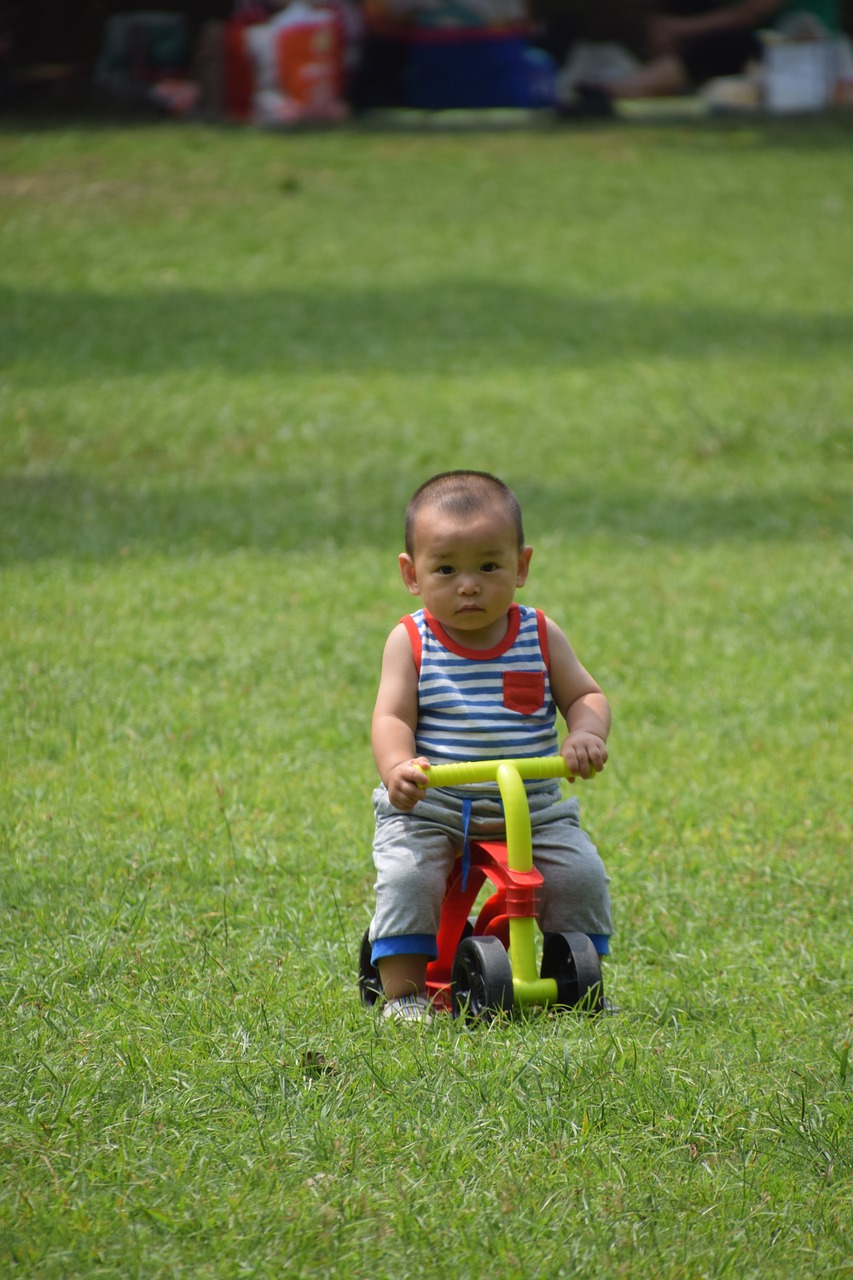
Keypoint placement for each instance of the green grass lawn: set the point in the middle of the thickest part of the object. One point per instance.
(226, 359)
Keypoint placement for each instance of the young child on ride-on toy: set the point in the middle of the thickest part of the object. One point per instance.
(473, 675)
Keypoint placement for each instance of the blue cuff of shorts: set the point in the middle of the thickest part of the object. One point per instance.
(407, 944)
(601, 942)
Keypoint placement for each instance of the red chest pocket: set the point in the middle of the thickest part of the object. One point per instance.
(524, 691)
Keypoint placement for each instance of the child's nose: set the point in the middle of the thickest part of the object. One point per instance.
(468, 584)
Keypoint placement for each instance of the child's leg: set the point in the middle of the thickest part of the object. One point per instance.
(413, 855)
(575, 896)
(402, 975)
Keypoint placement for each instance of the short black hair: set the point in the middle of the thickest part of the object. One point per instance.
(462, 493)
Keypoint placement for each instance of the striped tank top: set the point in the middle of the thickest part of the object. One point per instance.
(484, 704)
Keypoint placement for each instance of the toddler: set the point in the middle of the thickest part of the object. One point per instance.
(472, 675)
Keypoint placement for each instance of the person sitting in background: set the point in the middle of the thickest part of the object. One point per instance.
(561, 26)
(690, 42)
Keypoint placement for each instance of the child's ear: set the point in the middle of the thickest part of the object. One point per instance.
(407, 569)
(523, 565)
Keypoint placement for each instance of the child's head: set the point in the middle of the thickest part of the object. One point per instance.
(465, 554)
(462, 494)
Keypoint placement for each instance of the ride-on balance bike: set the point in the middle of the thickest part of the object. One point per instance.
(487, 964)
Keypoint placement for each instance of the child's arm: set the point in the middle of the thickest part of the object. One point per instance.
(395, 717)
(581, 703)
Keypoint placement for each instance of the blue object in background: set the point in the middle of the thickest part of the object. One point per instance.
(472, 70)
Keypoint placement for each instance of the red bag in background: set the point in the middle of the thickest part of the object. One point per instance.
(310, 57)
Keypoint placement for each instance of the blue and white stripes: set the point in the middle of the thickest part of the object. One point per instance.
(484, 705)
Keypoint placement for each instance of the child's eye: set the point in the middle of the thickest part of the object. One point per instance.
(489, 567)
(445, 569)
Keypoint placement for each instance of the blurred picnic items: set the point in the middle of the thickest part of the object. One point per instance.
(286, 62)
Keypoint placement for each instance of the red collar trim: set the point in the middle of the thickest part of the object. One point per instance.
(478, 655)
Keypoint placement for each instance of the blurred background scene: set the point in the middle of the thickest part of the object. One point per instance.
(284, 62)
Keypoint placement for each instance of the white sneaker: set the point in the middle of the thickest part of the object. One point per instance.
(412, 1008)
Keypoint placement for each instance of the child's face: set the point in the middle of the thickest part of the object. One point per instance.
(466, 571)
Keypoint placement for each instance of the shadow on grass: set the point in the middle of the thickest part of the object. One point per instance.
(821, 132)
(67, 516)
(668, 122)
(58, 338)
(445, 325)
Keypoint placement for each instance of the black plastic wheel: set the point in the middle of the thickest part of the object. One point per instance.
(481, 979)
(369, 985)
(573, 962)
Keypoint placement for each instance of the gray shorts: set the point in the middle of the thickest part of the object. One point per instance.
(414, 853)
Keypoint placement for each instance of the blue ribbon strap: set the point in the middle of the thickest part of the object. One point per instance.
(466, 845)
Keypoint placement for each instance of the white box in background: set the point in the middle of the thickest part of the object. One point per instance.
(799, 75)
